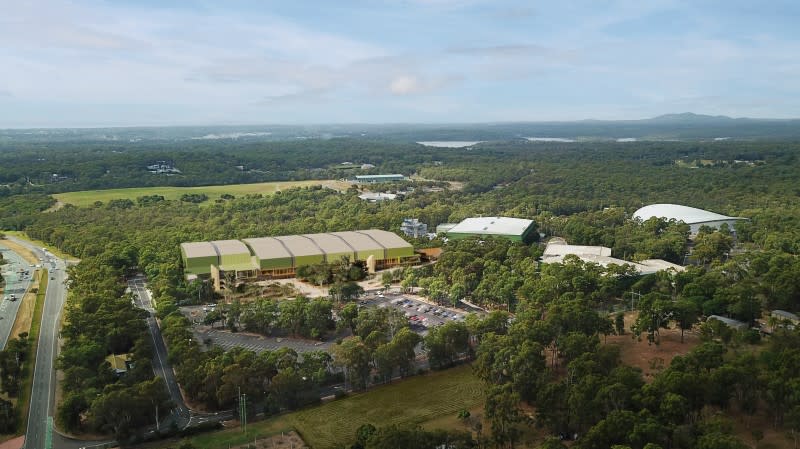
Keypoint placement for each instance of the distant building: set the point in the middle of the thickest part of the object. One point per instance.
(557, 249)
(367, 166)
(695, 218)
(413, 228)
(374, 179)
(783, 315)
(516, 229)
(163, 167)
(373, 197)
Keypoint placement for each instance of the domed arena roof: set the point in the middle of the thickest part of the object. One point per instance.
(686, 214)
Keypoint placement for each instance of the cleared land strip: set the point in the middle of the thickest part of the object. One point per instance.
(88, 197)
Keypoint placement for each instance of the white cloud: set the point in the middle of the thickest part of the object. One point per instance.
(405, 84)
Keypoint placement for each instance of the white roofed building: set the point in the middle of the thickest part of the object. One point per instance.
(516, 229)
(695, 218)
(557, 250)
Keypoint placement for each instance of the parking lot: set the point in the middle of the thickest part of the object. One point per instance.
(421, 315)
(254, 342)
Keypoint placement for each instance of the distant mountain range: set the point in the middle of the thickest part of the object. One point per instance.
(682, 126)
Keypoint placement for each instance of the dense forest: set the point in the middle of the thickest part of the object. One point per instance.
(541, 349)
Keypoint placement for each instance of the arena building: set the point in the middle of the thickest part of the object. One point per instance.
(516, 229)
(279, 257)
(695, 218)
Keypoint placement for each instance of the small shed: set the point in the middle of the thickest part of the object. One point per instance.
(730, 322)
(120, 363)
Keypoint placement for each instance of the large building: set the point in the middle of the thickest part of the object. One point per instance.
(558, 249)
(516, 229)
(374, 179)
(279, 257)
(695, 218)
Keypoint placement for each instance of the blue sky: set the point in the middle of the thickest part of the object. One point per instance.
(150, 62)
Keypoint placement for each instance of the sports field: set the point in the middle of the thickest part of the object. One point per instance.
(88, 197)
(413, 401)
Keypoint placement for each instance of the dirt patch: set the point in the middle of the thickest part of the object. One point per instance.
(24, 252)
(286, 440)
(14, 443)
(651, 358)
(302, 288)
(58, 205)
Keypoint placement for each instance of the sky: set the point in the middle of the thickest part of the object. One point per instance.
(92, 63)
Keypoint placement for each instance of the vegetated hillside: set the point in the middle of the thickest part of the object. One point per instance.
(584, 192)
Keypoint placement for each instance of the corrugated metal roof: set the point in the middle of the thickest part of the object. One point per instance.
(299, 245)
(686, 214)
(230, 247)
(198, 249)
(267, 248)
(359, 242)
(492, 225)
(386, 238)
(330, 244)
(557, 249)
(786, 315)
(397, 175)
(729, 321)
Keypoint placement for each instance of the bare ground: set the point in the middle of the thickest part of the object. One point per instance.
(287, 440)
(651, 358)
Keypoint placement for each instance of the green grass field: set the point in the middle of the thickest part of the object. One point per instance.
(88, 197)
(413, 401)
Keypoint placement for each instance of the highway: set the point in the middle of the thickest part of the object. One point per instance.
(42, 406)
(44, 375)
(17, 283)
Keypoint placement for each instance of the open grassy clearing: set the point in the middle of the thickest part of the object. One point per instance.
(413, 401)
(88, 197)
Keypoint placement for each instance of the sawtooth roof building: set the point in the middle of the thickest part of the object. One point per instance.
(515, 229)
(279, 257)
(695, 218)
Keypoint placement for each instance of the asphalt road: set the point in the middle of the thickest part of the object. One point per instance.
(44, 375)
(181, 414)
(16, 284)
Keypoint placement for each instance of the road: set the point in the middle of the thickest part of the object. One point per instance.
(181, 414)
(17, 283)
(44, 374)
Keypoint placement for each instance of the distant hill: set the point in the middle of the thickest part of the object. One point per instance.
(680, 126)
(690, 117)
